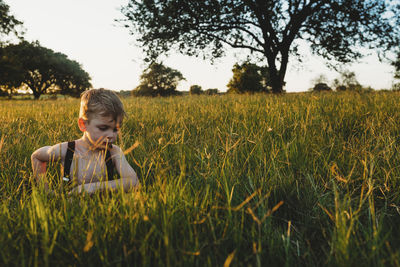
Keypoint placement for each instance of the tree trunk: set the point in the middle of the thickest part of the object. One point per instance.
(276, 83)
(277, 87)
(36, 94)
(9, 92)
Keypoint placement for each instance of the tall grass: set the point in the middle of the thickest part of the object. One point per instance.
(242, 180)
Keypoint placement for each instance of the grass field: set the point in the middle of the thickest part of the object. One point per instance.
(259, 180)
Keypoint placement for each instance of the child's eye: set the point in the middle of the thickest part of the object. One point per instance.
(103, 128)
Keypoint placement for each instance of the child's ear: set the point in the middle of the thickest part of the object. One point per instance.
(82, 124)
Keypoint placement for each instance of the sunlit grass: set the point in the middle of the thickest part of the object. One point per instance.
(243, 180)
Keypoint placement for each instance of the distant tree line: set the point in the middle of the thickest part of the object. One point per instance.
(347, 81)
(160, 80)
(197, 90)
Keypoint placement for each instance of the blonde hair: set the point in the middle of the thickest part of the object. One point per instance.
(101, 102)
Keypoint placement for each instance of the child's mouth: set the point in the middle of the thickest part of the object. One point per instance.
(107, 144)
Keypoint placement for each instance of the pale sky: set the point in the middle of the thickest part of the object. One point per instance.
(85, 31)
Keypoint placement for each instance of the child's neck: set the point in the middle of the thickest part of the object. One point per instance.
(86, 146)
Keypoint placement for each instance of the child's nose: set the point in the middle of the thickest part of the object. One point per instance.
(110, 135)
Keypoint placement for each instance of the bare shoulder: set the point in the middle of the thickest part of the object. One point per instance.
(59, 150)
(54, 152)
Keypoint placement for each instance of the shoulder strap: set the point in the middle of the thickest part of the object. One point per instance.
(68, 159)
(110, 165)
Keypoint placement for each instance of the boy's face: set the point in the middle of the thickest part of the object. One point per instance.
(101, 131)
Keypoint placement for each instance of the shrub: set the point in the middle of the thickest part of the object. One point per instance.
(195, 90)
(321, 87)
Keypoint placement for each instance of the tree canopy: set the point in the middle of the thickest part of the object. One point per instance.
(31, 66)
(8, 23)
(335, 29)
(250, 78)
(158, 80)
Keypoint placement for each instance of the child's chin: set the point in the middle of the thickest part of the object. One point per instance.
(103, 146)
(106, 145)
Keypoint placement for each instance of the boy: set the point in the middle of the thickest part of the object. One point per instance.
(89, 161)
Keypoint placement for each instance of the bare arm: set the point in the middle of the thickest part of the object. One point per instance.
(123, 183)
(41, 157)
(128, 175)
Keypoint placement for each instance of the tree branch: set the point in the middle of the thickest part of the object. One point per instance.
(232, 44)
(216, 28)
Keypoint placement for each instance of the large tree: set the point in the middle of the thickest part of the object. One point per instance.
(335, 29)
(158, 80)
(8, 23)
(31, 66)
